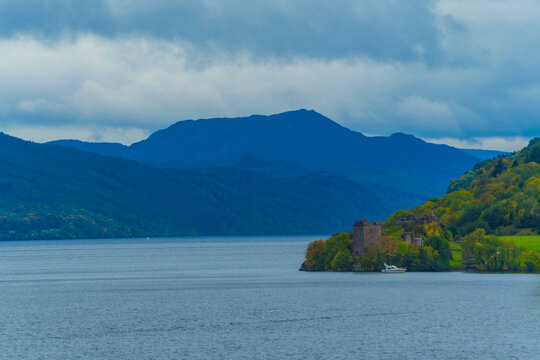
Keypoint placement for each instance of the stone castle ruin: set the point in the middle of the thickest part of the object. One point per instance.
(365, 235)
(411, 224)
(410, 238)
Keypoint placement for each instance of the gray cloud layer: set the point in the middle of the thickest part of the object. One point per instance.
(314, 28)
(467, 72)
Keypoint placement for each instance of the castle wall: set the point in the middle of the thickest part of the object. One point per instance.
(365, 235)
(357, 246)
(409, 238)
(372, 235)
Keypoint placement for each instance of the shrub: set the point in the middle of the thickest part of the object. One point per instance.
(315, 254)
(342, 261)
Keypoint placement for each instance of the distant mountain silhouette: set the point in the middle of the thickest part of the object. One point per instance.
(292, 173)
(49, 192)
(301, 137)
(102, 148)
(396, 165)
(484, 154)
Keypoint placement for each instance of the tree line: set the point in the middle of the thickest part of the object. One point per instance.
(335, 254)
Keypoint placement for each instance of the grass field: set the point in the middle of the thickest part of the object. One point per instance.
(529, 242)
(456, 255)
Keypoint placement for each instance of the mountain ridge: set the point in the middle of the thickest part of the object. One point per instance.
(302, 137)
(289, 173)
(401, 169)
(52, 192)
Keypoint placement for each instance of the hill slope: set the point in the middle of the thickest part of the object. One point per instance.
(484, 154)
(400, 168)
(301, 137)
(501, 196)
(56, 192)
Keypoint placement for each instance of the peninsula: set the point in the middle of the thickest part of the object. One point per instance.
(489, 220)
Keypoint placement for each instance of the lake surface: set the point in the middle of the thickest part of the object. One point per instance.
(244, 298)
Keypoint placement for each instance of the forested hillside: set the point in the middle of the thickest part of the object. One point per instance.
(497, 197)
(291, 173)
(49, 192)
(501, 196)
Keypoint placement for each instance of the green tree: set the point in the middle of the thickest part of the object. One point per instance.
(342, 261)
(531, 261)
(411, 259)
(490, 253)
(534, 151)
(443, 250)
(495, 216)
(427, 257)
(334, 244)
(499, 167)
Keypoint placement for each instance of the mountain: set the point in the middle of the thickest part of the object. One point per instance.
(484, 154)
(301, 137)
(102, 148)
(49, 192)
(400, 168)
(500, 196)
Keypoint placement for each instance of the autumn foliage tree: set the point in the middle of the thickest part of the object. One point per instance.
(315, 255)
(389, 246)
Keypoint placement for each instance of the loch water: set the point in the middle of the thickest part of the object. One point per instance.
(244, 298)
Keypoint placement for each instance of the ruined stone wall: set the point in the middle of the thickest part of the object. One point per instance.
(410, 238)
(357, 246)
(372, 235)
(365, 235)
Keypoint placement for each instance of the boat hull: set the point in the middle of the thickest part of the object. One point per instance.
(399, 271)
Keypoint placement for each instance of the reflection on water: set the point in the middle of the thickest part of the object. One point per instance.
(244, 298)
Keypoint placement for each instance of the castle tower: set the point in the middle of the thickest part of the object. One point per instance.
(365, 235)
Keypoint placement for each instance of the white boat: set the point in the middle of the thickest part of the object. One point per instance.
(393, 269)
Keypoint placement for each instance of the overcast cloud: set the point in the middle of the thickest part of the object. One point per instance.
(464, 73)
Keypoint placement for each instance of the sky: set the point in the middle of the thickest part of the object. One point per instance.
(464, 73)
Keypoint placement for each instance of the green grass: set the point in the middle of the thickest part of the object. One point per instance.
(455, 262)
(529, 242)
(456, 255)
